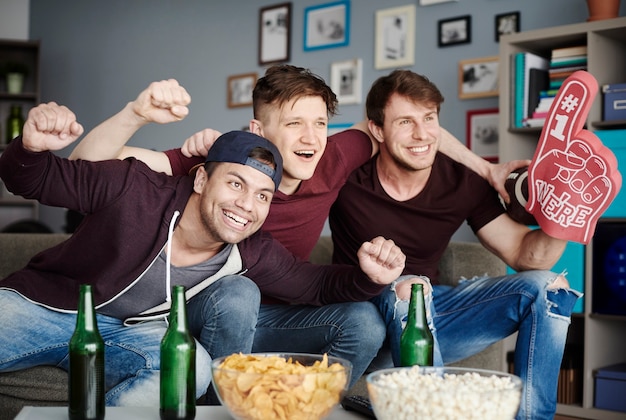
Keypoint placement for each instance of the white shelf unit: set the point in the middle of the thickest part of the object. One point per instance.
(603, 337)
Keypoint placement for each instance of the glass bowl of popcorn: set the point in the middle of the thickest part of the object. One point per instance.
(443, 393)
(262, 386)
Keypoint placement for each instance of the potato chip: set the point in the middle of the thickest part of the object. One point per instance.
(274, 387)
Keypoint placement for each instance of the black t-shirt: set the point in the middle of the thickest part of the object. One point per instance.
(421, 226)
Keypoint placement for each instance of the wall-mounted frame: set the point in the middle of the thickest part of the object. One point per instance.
(482, 133)
(240, 87)
(327, 25)
(478, 77)
(507, 23)
(455, 31)
(274, 33)
(395, 37)
(430, 2)
(346, 79)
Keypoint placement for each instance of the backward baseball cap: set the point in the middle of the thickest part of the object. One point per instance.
(235, 147)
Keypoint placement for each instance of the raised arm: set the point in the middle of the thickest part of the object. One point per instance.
(162, 102)
(495, 174)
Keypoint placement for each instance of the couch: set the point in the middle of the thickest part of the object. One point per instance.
(47, 385)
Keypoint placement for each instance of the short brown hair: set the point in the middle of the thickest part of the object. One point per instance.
(283, 83)
(413, 86)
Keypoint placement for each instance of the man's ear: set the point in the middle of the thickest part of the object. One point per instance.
(376, 131)
(200, 180)
(256, 127)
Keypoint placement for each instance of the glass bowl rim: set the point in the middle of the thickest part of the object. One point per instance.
(516, 380)
(345, 363)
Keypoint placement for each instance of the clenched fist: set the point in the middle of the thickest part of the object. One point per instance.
(50, 127)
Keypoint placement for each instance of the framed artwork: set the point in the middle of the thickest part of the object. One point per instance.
(482, 133)
(395, 37)
(274, 33)
(240, 88)
(478, 78)
(455, 31)
(346, 79)
(429, 2)
(338, 128)
(327, 25)
(507, 23)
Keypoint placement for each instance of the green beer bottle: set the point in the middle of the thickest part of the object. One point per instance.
(86, 371)
(15, 123)
(416, 341)
(178, 363)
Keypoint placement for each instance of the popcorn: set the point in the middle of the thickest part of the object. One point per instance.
(426, 393)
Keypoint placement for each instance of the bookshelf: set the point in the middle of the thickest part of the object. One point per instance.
(600, 336)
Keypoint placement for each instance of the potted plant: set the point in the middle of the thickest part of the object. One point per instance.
(15, 72)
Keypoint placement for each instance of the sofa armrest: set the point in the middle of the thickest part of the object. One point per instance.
(468, 259)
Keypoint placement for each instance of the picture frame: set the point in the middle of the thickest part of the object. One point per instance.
(431, 2)
(240, 87)
(454, 31)
(478, 77)
(506, 23)
(346, 80)
(482, 133)
(395, 37)
(274, 33)
(327, 25)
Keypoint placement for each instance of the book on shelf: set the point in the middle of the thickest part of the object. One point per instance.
(569, 51)
(544, 104)
(523, 63)
(568, 61)
(564, 72)
(537, 82)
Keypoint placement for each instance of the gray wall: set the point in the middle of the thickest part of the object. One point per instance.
(96, 56)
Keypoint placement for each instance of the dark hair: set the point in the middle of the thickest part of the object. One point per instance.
(261, 154)
(413, 86)
(283, 83)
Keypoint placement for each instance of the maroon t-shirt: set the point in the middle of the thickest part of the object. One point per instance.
(421, 226)
(297, 220)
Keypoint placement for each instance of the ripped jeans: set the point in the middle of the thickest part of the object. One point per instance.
(481, 311)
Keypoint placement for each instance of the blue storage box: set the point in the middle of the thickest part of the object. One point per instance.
(611, 388)
(614, 104)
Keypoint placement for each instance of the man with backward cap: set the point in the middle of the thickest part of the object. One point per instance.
(145, 231)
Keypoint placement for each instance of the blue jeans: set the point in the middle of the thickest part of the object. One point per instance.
(31, 335)
(482, 311)
(354, 331)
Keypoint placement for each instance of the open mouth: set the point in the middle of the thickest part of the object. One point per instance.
(419, 149)
(306, 154)
(237, 219)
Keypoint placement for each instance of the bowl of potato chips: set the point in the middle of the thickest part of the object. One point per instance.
(280, 385)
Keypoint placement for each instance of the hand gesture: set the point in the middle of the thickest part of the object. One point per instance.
(573, 177)
(498, 173)
(200, 143)
(50, 127)
(162, 102)
(381, 260)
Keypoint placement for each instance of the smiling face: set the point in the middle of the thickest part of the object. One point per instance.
(410, 133)
(299, 129)
(234, 201)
